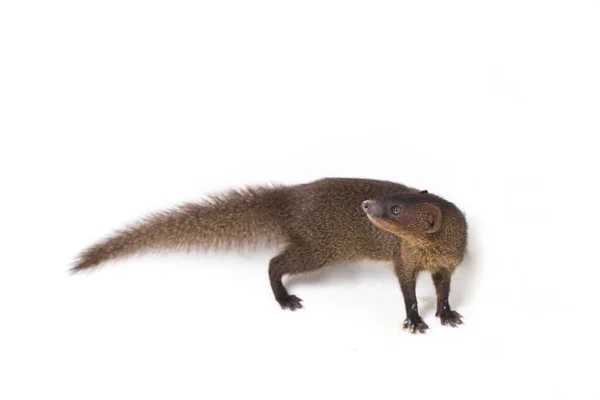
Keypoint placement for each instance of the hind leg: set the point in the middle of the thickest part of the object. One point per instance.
(295, 259)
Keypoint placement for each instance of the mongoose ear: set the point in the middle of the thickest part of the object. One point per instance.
(436, 222)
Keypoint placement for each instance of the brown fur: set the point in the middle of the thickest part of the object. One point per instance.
(319, 223)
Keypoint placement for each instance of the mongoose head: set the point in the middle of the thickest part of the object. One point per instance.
(412, 216)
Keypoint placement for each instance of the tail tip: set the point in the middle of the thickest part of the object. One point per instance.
(81, 265)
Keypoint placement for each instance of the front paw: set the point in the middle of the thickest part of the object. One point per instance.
(415, 324)
(448, 317)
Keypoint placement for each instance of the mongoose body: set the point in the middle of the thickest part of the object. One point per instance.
(318, 224)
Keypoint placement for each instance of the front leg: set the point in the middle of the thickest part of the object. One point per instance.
(407, 276)
(441, 280)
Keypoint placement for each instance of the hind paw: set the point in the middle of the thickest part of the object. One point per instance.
(290, 302)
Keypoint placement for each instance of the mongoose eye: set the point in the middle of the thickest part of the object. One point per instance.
(395, 210)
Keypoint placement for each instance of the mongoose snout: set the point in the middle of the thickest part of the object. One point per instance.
(380, 208)
(372, 207)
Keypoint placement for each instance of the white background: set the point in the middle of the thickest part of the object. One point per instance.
(112, 109)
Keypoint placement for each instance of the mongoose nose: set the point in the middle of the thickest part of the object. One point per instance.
(371, 207)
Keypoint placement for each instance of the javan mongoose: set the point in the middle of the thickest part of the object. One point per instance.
(318, 223)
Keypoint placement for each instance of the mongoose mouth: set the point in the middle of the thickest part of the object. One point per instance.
(383, 224)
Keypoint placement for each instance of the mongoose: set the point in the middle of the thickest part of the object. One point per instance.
(319, 223)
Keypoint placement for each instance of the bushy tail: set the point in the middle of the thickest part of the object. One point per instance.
(241, 218)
